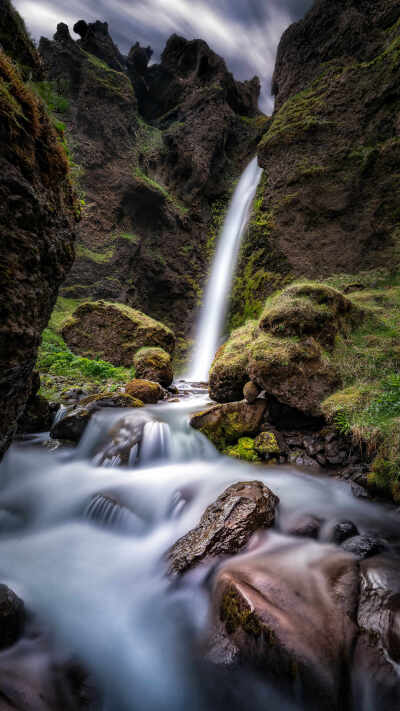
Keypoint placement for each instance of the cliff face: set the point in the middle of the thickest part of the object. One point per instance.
(37, 218)
(159, 148)
(329, 199)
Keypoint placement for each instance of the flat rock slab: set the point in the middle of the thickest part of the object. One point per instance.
(226, 525)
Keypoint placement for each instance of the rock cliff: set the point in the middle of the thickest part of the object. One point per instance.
(328, 201)
(37, 222)
(158, 149)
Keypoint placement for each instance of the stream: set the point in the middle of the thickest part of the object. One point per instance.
(84, 534)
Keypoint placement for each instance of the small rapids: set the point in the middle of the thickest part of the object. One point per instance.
(84, 545)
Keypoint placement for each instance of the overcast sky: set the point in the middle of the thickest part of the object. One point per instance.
(245, 32)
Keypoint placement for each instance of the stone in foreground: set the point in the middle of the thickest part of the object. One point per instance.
(226, 525)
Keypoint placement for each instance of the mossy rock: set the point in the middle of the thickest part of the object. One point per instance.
(310, 309)
(267, 446)
(114, 332)
(384, 477)
(228, 374)
(244, 450)
(225, 424)
(144, 390)
(154, 364)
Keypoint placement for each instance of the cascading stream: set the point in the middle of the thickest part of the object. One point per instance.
(213, 311)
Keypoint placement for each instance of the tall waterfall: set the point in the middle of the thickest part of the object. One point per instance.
(213, 311)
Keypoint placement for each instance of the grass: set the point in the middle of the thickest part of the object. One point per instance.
(98, 257)
(143, 178)
(60, 369)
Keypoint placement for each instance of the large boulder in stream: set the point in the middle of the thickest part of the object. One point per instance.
(226, 525)
(12, 616)
(145, 390)
(289, 609)
(72, 426)
(225, 424)
(114, 332)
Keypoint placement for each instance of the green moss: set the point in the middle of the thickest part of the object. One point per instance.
(154, 357)
(266, 445)
(143, 178)
(243, 450)
(98, 257)
(49, 93)
(236, 614)
(384, 477)
(111, 81)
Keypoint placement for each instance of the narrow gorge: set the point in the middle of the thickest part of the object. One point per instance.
(200, 349)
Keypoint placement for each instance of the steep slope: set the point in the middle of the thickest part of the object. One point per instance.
(37, 221)
(329, 199)
(158, 150)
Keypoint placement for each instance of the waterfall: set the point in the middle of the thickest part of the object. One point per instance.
(213, 311)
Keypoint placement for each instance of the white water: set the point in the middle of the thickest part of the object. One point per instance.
(213, 311)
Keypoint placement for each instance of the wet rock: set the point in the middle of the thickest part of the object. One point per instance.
(225, 424)
(267, 445)
(364, 546)
(154, 364)
(145, 390)
(360, 492)
(379, 608)
(343, 530)
(37, 416)
(124, 438)
(301, 459)
(37, 217)
(251, 392)
(307, 526)
(292, 620)
(226, 525)
(72, 426)
(12, 616)
(114, 332)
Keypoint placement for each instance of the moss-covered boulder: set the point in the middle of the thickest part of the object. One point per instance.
(267, 446)
(72, 426)
(244, 450)
(144, 390)
(310, 309)
(226, 424)
(154, 364)
(114, 332)
(289, 352)
(228, 374)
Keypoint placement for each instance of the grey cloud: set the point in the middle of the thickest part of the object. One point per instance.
(245, 32)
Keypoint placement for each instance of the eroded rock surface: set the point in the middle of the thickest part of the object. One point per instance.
(226, 525)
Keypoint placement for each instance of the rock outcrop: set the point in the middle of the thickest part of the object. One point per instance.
(114, 332)
(154, 364)
(327, 203)
(226, 525)
(37, 222)
(158, 149)
(72, 426)
(225, 424)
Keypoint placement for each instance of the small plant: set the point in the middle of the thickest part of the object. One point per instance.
(342, 423)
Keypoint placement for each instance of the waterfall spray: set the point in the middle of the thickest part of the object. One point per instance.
(213, 311)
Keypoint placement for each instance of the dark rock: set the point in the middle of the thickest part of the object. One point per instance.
(307, 526)
(15, 42)
(12, 617)
(312, 446)
(72, 426)
(225, 424)
(96, 40)
(251, 392)
(267, 445)
(124, 439)
(38, 416)
(364, 546)
(293, 621)
(37, 223)
(226, 525)
(343, 530)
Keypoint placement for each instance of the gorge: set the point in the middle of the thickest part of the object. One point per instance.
(231, 537)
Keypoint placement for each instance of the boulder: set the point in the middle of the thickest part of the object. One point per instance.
(290, 610)
(343, 530)
(306, 526)
(144, 390)
(154, 364)
(228, 374)
(114, 332)
(251, 392)
(73, 424)
(225, 424)
(123, 440)
(267, 446)
(226, 525)
(364, 546)
(12, 617)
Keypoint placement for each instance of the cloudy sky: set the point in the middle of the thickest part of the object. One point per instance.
(245, 32)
